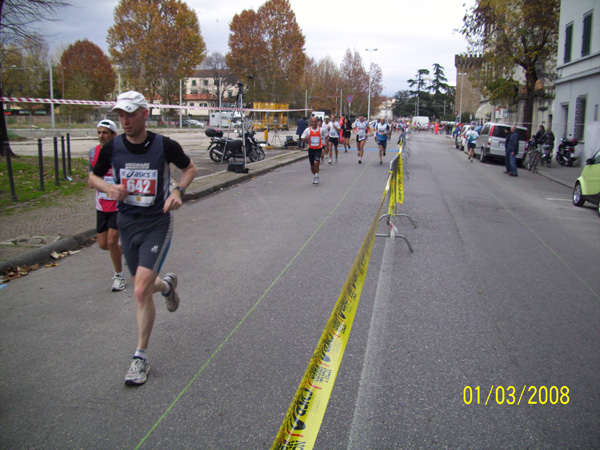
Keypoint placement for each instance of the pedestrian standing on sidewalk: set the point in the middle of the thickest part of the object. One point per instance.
(140, 160)
(302, 125)
(511, 145)
(315, 136)
(106, 209)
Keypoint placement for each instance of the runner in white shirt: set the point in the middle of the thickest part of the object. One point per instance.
(325, 126)
(383, 131)
(334, 138)
(361, 128)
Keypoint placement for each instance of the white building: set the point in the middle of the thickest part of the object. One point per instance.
(578, 85)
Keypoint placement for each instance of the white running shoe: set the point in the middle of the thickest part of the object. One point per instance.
(330, 161)
(317, 179)
(119, 283)
(138, 372)
(360, 160)
(172, 298)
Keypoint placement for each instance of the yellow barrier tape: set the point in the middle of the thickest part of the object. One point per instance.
(302, 421)
(400, 181)
(392, 204)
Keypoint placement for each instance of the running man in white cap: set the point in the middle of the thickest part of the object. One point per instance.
(140, 160)
(106, 209)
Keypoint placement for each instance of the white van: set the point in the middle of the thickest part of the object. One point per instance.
(490, 143)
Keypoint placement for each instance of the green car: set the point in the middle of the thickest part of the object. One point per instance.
(587, 186)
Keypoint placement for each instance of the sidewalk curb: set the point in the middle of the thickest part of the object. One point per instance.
(556, 180)
(200, 187)
(42, 254)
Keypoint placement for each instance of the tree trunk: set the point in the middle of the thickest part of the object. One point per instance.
(4, 143)
(531, 78)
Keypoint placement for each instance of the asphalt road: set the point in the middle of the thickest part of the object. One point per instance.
(502, 290)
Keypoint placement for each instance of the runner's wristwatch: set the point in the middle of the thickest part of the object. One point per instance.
(181, 190)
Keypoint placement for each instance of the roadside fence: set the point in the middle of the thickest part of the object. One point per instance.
(65, 145)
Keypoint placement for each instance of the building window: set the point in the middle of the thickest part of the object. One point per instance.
(229, 94)
(579, 117)
(205, 82)
(596, 113)
(587, 35)
(193, 82)
(568, 42)
(191, 104)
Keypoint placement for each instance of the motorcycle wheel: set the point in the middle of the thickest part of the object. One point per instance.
(570, 162)
(261, 154)
(253, 155)
(215, 153)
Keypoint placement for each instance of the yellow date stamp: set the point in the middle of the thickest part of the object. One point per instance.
(512, 395)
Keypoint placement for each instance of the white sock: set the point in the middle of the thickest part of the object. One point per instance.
(141, 353)
(120, 275)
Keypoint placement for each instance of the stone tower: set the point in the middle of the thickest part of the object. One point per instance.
(471, 95)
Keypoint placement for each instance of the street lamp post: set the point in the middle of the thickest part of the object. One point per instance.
(462, 81)
(370, 50)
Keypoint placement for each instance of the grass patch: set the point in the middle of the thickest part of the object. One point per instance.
(27, 183)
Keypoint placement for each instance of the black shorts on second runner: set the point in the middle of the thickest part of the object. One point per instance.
(334, 140)
(105, 220)
(145, 240)
(314, 154)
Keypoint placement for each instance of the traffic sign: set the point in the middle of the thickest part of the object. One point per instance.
(349, 99)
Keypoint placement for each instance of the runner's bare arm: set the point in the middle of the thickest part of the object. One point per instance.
(175, 199)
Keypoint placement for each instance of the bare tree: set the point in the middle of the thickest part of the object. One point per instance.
(223, 78)
(18, 19)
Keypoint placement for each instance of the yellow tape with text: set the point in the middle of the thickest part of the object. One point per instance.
(302, 422)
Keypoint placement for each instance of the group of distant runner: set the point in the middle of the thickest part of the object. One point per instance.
(323, 138)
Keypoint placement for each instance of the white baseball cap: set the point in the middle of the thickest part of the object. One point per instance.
(130, 101)
(106, 123)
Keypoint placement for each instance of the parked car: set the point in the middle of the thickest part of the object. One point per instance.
(587, 186)
(192, 123)
(490, 143)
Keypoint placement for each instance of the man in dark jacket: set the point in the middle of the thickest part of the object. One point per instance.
(511, 146)
(302, 125)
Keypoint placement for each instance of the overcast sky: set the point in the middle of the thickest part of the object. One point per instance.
(408, 35)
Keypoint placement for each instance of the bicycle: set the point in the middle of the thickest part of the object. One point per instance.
(535, 155)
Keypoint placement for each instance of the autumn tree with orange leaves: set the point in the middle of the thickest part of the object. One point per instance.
(268, 46)
(86, 73)
(156, 43)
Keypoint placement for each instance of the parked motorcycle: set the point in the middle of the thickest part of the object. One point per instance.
(566, 152)
(223, 149)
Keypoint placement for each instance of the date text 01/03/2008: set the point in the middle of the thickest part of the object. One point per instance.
(511, 395)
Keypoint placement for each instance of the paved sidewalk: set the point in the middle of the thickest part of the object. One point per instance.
(69, 225)
(559, 174)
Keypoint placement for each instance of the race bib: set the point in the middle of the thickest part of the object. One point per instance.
(104, 195)
(315, 141)
(141, 186)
